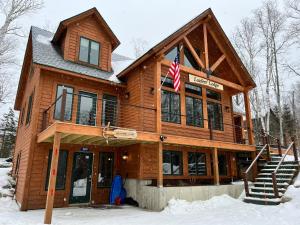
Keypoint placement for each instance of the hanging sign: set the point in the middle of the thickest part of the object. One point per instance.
(205, 82)
(125, 134)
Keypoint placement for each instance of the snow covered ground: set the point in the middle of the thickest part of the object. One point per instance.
(221, 210)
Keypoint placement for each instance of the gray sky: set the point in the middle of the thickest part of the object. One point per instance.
(150, 20)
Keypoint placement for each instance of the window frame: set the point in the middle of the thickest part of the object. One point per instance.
(29, 108)
(171, 162)
(177, 47)
(78, 105)
(89, 51)
(66, 103)
(179, 115)
(102, 112)
(112, 169)
(49, 161)
(205, 161)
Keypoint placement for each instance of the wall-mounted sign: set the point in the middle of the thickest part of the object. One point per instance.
(84, 149)
(125, 134)
(203, 81)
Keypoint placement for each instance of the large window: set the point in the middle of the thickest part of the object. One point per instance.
(189, 59)
(193, 105)
(197, 163)
(172, 53)
(214, 110)
(89, 51)
(61, 170)
(170, 106)
(106, 165)
(69, 102)
(29, 108)
(109, 110)
(86, 111)
(172, 163)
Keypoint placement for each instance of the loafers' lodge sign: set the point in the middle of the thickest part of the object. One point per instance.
(202, 81)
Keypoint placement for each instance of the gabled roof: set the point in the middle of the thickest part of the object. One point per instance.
(206, 15)
(93, 11)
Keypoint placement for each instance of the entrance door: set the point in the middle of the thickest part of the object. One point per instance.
(81, 177)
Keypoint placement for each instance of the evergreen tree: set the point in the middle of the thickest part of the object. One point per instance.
(8, 127)
(288, 122)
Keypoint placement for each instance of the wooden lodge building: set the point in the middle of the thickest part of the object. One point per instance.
(87, 114)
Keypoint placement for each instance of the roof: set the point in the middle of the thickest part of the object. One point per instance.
(207, 14)
(44, 52)
(93, 11)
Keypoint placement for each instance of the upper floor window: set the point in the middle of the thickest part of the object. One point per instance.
(86, 109)
(213, 95)
(170, 106)
(109, 110)
(167, 82)
(89, 51)
(189, 59)
(172, 53)
(29, 108)
(214, 110)
(69, 102)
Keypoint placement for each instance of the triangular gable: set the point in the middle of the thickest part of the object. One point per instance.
(93, 11)
(217, 33)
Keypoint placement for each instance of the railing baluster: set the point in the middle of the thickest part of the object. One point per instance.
(295, 149)
(279, 147)
(245, 175)
(275, 188)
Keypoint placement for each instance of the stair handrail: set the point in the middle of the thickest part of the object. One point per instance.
(250, 167)
(274, 179)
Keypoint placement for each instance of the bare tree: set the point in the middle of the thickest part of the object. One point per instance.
(11, 11)
(139, 46)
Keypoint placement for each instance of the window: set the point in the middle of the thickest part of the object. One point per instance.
(214, 111)
(172, 163)
(29, 108)
(189, 59)
(192, 89)
(222, 164)
(61, 170)
(194, 111)
(106, 164)
(89, 51)
(172, 53)
(197, 163)
(69, 102)
(109, 110)
(168, 82)
(23, 114)
(86, 111)
(213, 95)
(170, 106)
(18, 164)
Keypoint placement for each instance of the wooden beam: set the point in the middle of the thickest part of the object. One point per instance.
(52, 179)
(248, 118)
(194, 53)
(205, 46)
(217, 63)
(201, 74)
(158, 122)
(216, 167)
(232, 65)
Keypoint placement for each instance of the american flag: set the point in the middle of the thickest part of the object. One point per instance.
(174, 71)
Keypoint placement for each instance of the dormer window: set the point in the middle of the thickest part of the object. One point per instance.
(89, 51)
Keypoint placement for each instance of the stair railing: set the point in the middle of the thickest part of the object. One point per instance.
(292, 146)
(246, 184)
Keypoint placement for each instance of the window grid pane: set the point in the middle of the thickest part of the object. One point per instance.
(172, 163)
(214, 111)
(84, 50)
(106, 163)
(194, 112)
(86, 111)
(69, 103)
(109, 110)
(170, 106)
(197, 163)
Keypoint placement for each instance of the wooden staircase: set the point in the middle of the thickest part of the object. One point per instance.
(274, 177)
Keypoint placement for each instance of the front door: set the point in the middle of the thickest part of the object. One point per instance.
(81, 177)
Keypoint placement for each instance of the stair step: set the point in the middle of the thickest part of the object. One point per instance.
(283, 163)
(263, 194)
(270, 184)
(278, 174)
(263, 201)
(266, 189)
(279, 180)
(279, 170)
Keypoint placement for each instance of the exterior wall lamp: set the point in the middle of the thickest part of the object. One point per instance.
(125, 156)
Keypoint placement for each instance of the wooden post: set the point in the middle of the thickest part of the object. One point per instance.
(216, 166)
(158, 123)
(248, 118)
(210, 126)
(254, 174)
(52, 179)
(44, 122)
(295, 150)
(245, 176)
(279, 147)
(63, 105)
(205, 46)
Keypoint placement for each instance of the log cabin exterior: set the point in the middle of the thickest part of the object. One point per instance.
(87, 113)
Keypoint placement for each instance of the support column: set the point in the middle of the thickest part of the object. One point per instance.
(52, 179)
(158, 123)
(248, 118)
(216, 167)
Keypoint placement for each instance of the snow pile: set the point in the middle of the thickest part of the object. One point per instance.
(6, 182)
(4, 163)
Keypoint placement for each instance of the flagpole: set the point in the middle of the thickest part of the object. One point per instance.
(163, 81)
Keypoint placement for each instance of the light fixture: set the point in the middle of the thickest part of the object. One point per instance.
(127, 95)
(125, 156)
(162, 137)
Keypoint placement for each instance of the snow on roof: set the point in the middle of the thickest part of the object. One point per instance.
(49, 54)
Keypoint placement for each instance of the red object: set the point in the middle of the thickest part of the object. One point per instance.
(118, 201)
(175, 72)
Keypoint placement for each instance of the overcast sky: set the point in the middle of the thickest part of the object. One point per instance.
(150, 20)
